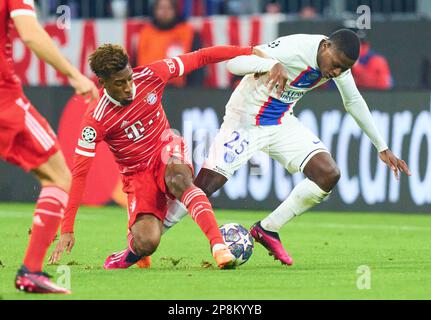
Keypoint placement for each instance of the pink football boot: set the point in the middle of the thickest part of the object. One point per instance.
(36, 282)
(121, 260)
(271, 241)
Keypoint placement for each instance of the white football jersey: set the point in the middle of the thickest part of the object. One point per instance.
(254, 104)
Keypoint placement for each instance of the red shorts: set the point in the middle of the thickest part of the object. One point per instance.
(27, 139)
(146, 189)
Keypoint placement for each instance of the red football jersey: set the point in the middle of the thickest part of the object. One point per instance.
(135, 133)
(8, 10)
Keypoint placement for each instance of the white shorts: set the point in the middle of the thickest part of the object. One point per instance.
(291, 144)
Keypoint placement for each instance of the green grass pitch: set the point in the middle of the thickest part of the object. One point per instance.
(328, 249)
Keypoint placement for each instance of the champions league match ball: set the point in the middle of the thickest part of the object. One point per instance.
(239, 240)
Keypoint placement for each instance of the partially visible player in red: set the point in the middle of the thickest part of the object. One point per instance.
(152, 159)
(28, 141)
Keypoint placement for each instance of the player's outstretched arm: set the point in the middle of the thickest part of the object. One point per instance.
(80, 171)
(202, 57)
(178, 66)
(37, 39)
(357, 107)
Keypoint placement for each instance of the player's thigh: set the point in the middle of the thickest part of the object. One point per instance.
(11, 124)
(293, 145)
(32, 141)
(54, 171)
(144, 195)
(233, 146)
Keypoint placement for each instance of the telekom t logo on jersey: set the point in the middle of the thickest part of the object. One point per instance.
(135, 131)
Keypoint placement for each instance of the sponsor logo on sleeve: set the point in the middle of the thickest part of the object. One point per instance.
(170, 64)
(89, 134)
(274, 44)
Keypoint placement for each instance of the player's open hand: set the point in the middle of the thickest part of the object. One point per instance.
(66, 242)
(257, 52)
(394, 163)
(277, 78)
(84, 86)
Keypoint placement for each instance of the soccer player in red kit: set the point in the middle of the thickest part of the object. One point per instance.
(28, 141)
(151, 158)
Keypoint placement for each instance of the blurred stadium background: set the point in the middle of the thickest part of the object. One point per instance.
(400, 32)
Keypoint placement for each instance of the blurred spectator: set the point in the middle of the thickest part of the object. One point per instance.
(242, 7)
(273, 7)
(188, 8)
(212, 7)
(218, 7)
(167, 36)
(372, 69)
(308, 13)
(119, 8)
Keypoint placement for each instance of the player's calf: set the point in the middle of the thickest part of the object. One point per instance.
(179, 181)
(55, 179)
(209, 181)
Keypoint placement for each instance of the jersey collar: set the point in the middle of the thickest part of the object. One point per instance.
(117, 103)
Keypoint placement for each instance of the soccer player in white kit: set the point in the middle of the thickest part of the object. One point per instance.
(259, 116)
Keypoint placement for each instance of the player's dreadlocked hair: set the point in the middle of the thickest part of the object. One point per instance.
(107, 60)
(346, 41)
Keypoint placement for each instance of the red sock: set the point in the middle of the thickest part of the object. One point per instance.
(202, 213)
(47, 217)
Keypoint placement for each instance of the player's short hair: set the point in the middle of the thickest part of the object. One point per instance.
(108, 59)
(346, 41)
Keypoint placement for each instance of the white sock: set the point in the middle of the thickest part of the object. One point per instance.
(303, 197)
(218, 246)
(176, 211)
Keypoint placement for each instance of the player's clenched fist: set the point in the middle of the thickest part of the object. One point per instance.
(66, 242)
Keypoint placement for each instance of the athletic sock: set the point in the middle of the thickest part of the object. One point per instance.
(202, 213)
(47, 217)
(304, 196)
(132, 257)
(176, 212)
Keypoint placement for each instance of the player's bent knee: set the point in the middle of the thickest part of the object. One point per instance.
(335, 176)
(145, 246)
(330, 177)
(179, 183)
